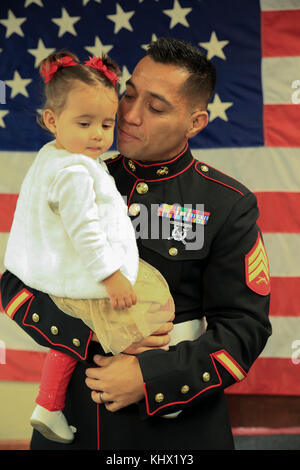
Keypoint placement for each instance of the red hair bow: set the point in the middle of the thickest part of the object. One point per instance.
(49, 70)
(97, 63)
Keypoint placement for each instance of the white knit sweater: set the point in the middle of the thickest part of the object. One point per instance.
(70, 229)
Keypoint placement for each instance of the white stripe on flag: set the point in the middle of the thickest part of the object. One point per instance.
(3, 243)
(285, 335)
(258, 168)
(284, 339)
(15, 338)
(278, 74)
(283, 252)
(14, 166)
(282, 248)
(270, 5)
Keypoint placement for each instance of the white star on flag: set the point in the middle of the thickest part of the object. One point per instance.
(41, 52)
(214, 46)
(37, 2)
(85, 2)
(178, 14)
(217, 109)
(66, 23)
(13, 24)
(18, 85)
(153, 38)
(98, 48)
(3, 113)
(121, 19)
(123, 79)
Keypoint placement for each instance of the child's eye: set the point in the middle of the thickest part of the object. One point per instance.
(84, 124)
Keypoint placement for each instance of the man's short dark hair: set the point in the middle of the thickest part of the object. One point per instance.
(201, 83)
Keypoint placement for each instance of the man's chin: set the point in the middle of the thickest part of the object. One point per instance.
(128, 150)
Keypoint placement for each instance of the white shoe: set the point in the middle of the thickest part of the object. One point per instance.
(52, 425)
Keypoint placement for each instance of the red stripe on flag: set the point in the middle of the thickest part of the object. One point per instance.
(262, 431)
(270, 376)
(24, 366)
(280, 33)
(281, 125)
(7, 209)
(279, 212)
(285, 299)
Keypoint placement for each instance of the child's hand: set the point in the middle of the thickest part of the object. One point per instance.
(120, 291)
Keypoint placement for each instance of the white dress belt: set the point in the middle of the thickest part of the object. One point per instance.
(186, 331)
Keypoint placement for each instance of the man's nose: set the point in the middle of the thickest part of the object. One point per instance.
(132, 112)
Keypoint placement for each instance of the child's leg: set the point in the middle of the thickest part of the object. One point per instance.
(47, 417)
(57, 371)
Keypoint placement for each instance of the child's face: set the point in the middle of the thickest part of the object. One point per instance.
(86, 124)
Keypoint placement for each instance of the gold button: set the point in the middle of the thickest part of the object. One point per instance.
(131, 165)
(76, 342)
(206, 377)
(54, 330)
(159, 397)
(35, 317)
(204, 168)
(164, 170)
(134, 209)
(142, 188)
(173, 251)
(185, 389)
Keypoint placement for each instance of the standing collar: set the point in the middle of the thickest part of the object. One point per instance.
(157, 171)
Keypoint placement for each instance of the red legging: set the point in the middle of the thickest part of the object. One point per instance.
(57, 370)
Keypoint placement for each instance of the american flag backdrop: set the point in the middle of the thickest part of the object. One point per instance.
(253, 132)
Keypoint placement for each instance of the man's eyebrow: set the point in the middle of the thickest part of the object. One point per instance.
(151, 93)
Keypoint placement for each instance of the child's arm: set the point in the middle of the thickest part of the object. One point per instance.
(120, 291)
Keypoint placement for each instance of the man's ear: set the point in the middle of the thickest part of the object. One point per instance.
(199, 121)
(49, 118)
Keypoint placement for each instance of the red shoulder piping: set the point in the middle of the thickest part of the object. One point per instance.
(112, 160)
(216, 181)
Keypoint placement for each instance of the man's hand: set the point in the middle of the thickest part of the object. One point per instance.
(159, 339)
(119, 378)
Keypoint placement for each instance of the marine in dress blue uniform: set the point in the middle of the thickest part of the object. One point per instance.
(226, 280)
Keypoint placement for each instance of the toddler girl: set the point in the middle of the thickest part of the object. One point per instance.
(71, 236)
